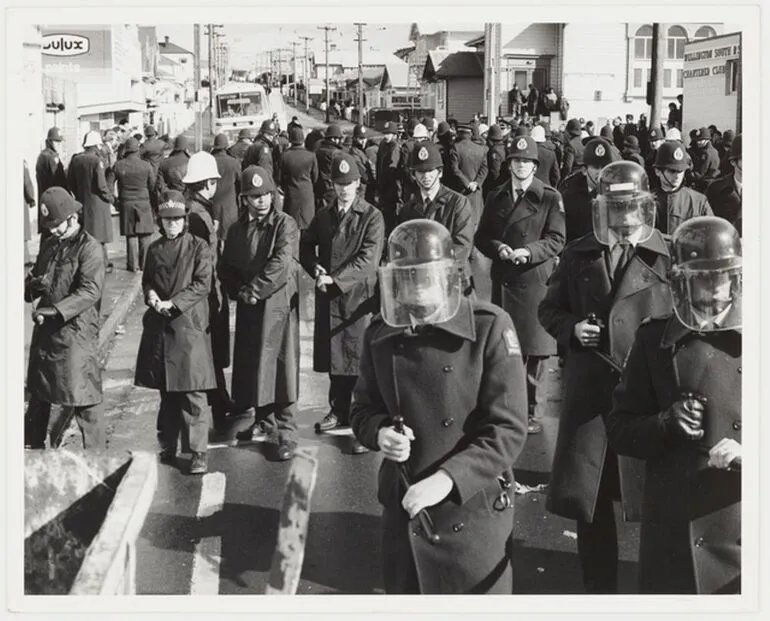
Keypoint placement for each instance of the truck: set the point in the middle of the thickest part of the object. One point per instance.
(712, 84)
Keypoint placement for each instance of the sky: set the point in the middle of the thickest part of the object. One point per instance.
(247, 41)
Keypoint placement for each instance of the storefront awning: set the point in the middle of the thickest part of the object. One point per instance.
(114, 106)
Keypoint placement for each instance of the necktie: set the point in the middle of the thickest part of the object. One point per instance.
(626, 250)
(519, 195)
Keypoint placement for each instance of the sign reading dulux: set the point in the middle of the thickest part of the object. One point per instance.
(65, 45)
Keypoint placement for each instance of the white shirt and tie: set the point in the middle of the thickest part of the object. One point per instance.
(621, 251)
(428, 197)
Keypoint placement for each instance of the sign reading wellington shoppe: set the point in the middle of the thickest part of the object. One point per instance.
(65, 45)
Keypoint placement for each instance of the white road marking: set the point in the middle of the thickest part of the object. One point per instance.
(208, 551)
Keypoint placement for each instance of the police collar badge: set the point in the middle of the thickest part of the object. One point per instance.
(256, 181)
(521, 144)
(344, 168)
(422, 154)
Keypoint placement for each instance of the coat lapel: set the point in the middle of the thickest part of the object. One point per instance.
(645, 269)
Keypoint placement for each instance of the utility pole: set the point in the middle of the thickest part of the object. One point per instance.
(212, 34)
(491, 70)
(656, 75)
(360, 40)
(326, 30)
(197, 85)
(294, 45)
(306, 75)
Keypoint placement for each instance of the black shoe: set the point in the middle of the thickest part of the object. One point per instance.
(330, 421)
(358, 448)
(284, 450)
(168, 457)
(533, 427)
(199, 464)
(258, 432)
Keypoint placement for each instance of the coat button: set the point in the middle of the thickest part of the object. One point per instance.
(415, 532)
(523, 234)
(737, 425)
(448, 368)
(699, 542)
(458, 527)
(447, 422)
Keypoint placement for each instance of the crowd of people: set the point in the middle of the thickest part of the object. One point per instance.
(618, 252)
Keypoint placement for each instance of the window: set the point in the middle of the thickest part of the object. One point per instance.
(732, 76)
(679, 80)
(677, 37)
(643, 42)
(705, 32)
(637, 78)
(667, 78)
(243, 104)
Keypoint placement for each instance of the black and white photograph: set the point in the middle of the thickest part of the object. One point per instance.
(384, 301)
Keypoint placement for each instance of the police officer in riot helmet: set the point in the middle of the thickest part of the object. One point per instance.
(607, 282)
(678, 407)
(478, 402)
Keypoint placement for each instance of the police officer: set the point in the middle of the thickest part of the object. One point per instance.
(201, 183)
(29, 201)
(174, 354)
(172, 169)
(572, 159)
(136, 185)
(676, 203)
(262, 151)
(605, 284)
(522, 232)
(419, 134)
(259, 269)
(49, 171)
(325, 153)
(496, 171)
(579, 188)
(468, 163)
(238, 150)
(86, 180)
(389, 176)
(152, 148)
(678, 407)
(358, 151)
(655, 139)
(725, 195)
(341, 251)
(547, 167)
(435, 201)
(299, 173)
(64, 366)
(225, 200)
(725, 147)
(705, 160)
(451, 368)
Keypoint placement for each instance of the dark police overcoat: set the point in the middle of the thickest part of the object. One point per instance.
(350, 252)
(86, 181)
(265, 259)
(581, 285)
(461, 387)
(690, 535)
(136, 185)
(64, 365)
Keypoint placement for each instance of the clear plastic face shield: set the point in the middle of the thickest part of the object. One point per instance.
(708, 300)
(414, 294)
(617, 219)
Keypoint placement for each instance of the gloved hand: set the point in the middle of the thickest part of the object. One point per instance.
(684, 419)
(39, 315)
(246, 296)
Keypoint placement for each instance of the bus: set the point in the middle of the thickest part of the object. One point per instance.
(240, 105)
